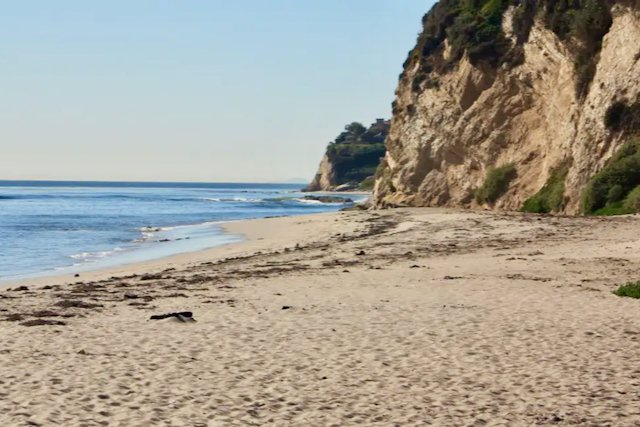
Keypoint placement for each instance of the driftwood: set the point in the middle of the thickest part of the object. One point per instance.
(182, 316)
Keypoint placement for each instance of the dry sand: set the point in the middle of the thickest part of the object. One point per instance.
(401, 317)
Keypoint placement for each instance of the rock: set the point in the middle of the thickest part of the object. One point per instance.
(20, 288)
(450, 127)
(286, 307)
(329, 199)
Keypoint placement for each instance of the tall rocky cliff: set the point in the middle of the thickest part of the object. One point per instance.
(510, 104)
(350, 161)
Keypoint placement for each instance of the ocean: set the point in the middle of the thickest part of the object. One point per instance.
(58, 227)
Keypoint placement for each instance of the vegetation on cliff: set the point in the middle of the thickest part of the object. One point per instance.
(550, 198)
(475, 27)
(355, 154)
(496, 183)
(615, 190)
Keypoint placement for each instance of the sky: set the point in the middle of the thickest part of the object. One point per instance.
(192, 90)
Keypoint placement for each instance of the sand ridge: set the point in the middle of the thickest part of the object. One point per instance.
(399, 317)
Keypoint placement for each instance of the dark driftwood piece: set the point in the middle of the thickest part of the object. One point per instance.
(183, 316)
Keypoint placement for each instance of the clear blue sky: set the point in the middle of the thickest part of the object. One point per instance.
(199, 90)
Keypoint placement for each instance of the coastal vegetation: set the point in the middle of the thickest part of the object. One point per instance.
(496, 183)
(615, 190)
(550, 198)
(630, 289)
(474, 27)
(353, 157)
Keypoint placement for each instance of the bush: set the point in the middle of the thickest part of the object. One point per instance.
(550, 198)
(631, 290)
(632, 201)
(478, 31)
(475, 27)
(496, 183)
(356, 152)
(615, 182)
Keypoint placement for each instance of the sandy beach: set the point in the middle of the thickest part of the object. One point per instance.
(398, 317)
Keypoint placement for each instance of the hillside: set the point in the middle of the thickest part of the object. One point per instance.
(528, 105)
(350, 161)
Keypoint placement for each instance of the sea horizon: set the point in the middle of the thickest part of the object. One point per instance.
(90, 182)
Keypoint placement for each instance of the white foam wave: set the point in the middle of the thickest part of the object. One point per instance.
(232, 199)
(92, 256)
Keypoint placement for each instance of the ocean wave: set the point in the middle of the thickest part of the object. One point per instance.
(233, 199)
(92, 256)
(313, 202)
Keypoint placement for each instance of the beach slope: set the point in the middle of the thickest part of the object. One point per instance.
(399, 317)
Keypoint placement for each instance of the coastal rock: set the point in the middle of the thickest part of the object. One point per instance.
(351, 159)
(329, 199)
(456, 119)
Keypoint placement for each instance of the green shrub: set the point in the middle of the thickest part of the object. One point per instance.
(632, 201)
(606, 190)
(631, 290)
(617, 208)
(615, 194)
(356, 152)
(496, 183)
(478, 31)
(475, 27)
(550, 198)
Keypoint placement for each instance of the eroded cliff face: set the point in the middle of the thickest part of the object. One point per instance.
(447, 132)
(324, 180)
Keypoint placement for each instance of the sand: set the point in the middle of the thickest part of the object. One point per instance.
(401, 317)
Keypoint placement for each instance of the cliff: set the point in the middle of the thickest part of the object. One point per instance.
(532, 105)
(350, 161)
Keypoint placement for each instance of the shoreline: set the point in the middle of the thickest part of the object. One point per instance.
(249, 230)
(406, 316)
